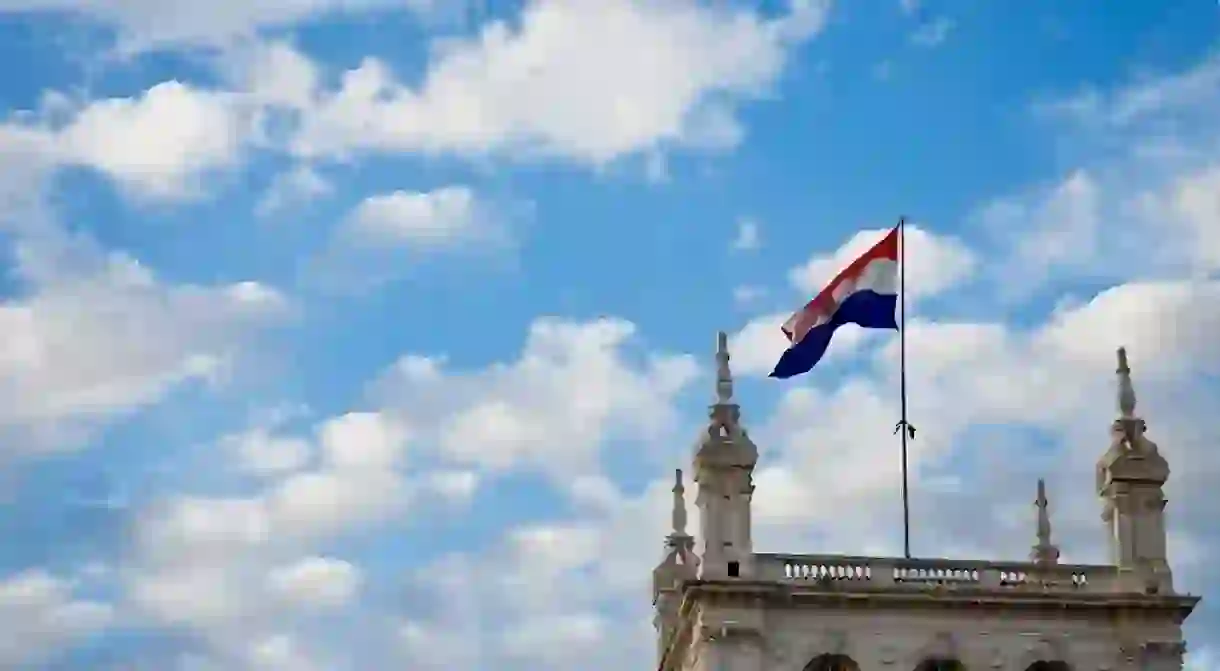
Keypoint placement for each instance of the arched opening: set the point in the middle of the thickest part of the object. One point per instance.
(938, 664)
(1048, 666)
(832, 663)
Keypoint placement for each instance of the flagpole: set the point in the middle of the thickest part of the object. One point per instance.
(903, 425)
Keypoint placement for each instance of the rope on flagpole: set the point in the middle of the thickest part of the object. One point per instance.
(907, 429)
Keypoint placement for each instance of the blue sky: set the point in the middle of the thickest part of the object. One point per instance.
(350, 335)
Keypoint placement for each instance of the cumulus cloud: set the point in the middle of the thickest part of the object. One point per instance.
(292, 189)
(628, 85)
(159, 141)
(1140, 203)
(315, 582)
(245, 571)
(524, 413)
(158, 145)
(97, 337)
(446, 216)
(386, 235)
(149, 24)
(41, 615)
(586, 81)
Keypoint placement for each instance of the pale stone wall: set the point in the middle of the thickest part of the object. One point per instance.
(787, 640)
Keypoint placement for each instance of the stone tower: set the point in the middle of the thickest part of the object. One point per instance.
(728, 608)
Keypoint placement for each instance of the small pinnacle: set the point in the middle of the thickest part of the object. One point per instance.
(1044, 552)
(1126, 390)
(724, 377)
(679, 506)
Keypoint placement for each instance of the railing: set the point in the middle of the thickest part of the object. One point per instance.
(926, 573)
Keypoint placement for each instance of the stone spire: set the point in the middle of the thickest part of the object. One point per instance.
(725, 435)
(724, 465)
(1044, 553)
(1130, 427)
(679, 508)
(724, 377)
(1130, 481)
(1126, 391)
(679, 565)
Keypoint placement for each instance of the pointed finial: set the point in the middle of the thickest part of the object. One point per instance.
(1044, 552)
(1044, 520)
(724, 377)
(679, 511)
(1126, 391)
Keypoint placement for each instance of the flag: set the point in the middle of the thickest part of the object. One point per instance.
(865, 294)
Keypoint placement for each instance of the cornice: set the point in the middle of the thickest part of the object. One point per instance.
(784, 595)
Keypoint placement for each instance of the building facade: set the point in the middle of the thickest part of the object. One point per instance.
(720, 606)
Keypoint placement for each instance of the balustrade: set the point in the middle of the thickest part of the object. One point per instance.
(925, 573)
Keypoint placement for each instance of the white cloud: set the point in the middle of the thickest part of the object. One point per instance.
(533, 89)
(747, 238)
(293, 188)
(147, 24)
(587, 81)
(1187, 96)
(1197, 202)
(524, 413)
(260, 452)
(316, 582)
(455, 486)
(933, 33)
(447, 216)
(1139, 205)
(245, 572)
(747, 294)
(273, 73)
(363, 440)
(909, 6)
(557, 642)
(99, 337)
(280, 652)
(387, 236)
(161, 143)
(40, 615)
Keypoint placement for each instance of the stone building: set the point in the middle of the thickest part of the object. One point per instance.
(720, 606)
